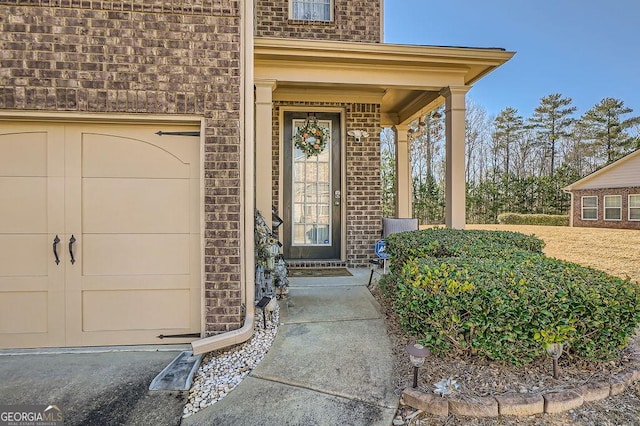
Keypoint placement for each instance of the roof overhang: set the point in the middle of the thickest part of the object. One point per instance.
(405, 80)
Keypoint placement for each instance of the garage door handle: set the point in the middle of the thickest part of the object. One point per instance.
(71, 241)
(56, 240)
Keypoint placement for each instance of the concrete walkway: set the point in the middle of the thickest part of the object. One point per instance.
(331, 363)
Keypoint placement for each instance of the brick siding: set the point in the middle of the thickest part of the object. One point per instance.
(354, 21)
(363, 198)
(147, 57)
(601, 223)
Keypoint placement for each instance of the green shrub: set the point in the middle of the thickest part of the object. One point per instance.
(502, 307)
(533, 219)
(445, 242)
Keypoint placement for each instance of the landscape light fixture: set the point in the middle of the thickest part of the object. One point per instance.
(417, 355)
(555, 351)
(262, 304)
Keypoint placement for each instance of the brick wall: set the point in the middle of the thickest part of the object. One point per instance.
(354, 20)
(363, 198)
(601, 223)
(143, 56)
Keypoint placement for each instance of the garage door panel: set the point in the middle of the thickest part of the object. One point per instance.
(20, 283)
(24, 205)
(23, 154)
(24, 312)
(31, 198)
(24, 255)
(115, 156)
(135, 254)
(135, 310)
(135, 205)
(137, 282)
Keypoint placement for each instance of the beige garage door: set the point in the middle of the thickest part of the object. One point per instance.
(119, 207)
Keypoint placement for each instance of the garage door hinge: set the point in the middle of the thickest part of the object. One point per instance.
(161, 133)
(178, 336)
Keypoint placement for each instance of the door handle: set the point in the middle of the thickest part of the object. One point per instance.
(71, 241)
(56, 240)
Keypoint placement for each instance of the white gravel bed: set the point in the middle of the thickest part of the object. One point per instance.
(223, 370)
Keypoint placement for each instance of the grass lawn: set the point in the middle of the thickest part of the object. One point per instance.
(616, 251)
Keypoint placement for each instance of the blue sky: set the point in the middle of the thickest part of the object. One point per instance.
(584, 49)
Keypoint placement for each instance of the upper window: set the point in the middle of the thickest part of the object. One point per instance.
(311, 10)
(590, 208)
(634, 207)
(612, 207)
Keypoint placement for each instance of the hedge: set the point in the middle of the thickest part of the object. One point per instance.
(533, 219)
(445, 242)
(507, 302)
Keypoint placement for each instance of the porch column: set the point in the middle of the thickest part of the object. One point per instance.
(264, 145)
(455, 191)
(403, 172)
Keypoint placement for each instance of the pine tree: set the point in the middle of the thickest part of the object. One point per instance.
(552, 122)
(607, 130)
(509, 127)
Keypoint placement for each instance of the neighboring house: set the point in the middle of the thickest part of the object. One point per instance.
(137, 137)
(609, 197)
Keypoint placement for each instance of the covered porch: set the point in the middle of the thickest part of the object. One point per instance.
(369, 86)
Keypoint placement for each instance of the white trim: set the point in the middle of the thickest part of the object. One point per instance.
(329, 94)
(203, 242)
(343, 182)
(322, 21)
(582, 207)
(107, 118)
(571, 210)
(381, 21)
(629, 207)
(605, 208)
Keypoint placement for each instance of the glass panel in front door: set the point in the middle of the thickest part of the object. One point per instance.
(311, 189)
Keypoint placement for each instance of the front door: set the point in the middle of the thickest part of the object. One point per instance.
(312, 192)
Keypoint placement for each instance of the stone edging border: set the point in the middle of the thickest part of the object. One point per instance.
(516, 404)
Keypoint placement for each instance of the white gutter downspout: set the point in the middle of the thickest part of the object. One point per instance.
(247, 171)
(568, 190)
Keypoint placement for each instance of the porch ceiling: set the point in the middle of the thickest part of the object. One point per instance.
(405, 80)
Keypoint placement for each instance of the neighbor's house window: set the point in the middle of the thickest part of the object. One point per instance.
(634, 207)
(590, 208)
(311, 10)
(613, 207)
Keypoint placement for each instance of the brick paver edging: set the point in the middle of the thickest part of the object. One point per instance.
(516, 404)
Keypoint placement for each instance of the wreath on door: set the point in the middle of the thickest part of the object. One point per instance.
(311, 138)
